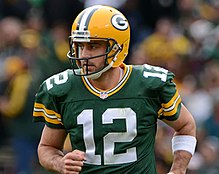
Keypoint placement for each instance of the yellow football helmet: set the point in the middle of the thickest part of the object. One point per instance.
(100, 23)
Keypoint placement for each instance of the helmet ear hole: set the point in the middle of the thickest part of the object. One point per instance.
(122, 54)
(115, 48)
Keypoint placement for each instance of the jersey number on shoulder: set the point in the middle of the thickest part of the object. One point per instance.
(57, 79)
(158, 72)
(109, 157)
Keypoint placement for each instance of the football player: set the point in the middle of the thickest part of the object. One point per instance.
(109, 109)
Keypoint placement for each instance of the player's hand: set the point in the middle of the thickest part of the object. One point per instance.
(72, 162)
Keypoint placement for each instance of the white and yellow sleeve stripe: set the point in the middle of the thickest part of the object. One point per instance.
(50, 116)
(170, 108)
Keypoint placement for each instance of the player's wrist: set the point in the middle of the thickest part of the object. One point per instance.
(184, 142)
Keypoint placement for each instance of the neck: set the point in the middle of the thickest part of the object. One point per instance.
(108, 79)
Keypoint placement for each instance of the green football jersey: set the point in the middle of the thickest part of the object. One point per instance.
(115, 128)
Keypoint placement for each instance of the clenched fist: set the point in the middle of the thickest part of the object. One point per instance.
(72, 162)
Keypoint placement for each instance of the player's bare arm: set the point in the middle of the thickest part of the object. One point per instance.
(51, 155)
(185, 128)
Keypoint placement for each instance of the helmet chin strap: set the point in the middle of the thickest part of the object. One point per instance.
(98, 74)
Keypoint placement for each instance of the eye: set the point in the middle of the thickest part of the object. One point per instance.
(93, 46)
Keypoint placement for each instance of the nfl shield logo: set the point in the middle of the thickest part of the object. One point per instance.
(103, 95)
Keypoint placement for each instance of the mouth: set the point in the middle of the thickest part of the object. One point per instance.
(88, 67)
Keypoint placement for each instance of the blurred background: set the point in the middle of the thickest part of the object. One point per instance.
(181, 35)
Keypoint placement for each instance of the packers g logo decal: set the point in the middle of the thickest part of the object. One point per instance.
(119, 22)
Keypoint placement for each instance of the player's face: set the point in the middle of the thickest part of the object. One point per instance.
(91, 49)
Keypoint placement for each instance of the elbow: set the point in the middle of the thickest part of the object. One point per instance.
(40, 155)
(188, 128)
(188, 124)
(192, 127)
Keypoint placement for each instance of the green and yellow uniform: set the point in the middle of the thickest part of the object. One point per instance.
(115, 128)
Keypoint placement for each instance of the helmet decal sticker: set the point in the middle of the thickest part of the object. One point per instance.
(119, 22)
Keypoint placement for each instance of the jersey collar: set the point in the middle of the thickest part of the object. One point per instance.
(106, 93)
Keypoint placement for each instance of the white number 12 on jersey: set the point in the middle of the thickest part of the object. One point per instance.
(86, 119)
